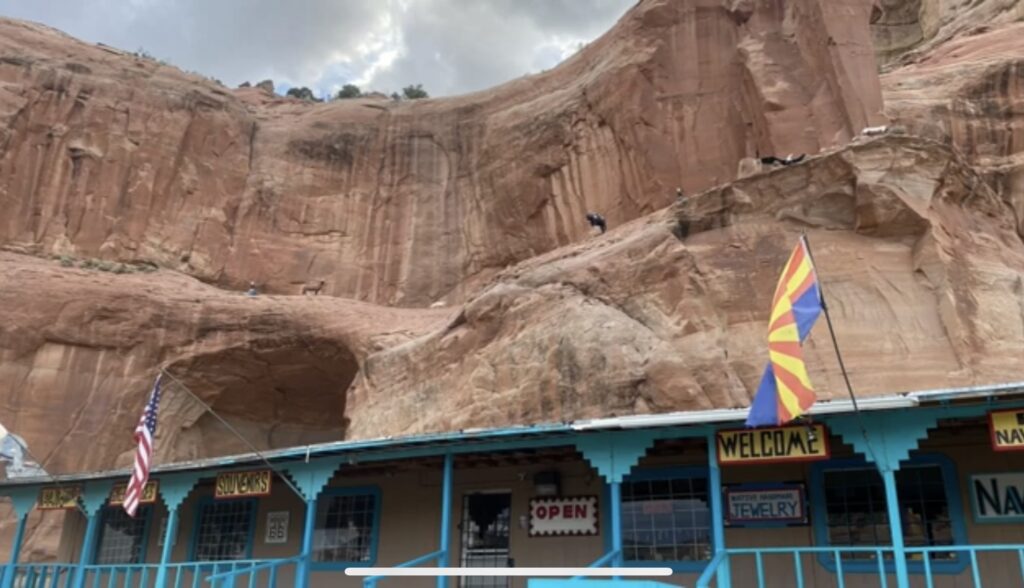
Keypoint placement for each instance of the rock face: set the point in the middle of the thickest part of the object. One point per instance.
(103, 154)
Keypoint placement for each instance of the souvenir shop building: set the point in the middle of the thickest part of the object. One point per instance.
(917, 489)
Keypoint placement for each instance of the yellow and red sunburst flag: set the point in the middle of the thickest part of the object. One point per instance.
(785, 391)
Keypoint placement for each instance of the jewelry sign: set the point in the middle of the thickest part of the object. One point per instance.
(776, 504)
(772, 445)
(575, 515)
(242, 484)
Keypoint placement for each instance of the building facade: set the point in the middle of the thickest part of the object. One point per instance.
(922, 489)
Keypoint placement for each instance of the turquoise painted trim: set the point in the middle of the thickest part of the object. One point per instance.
(319, 566)
(88, 545)
(146, 511)
(614, 454)
(615, 492)
(95, 495)
(892, 505)
(819, 516)
(668, 473)
(175, 488)
(306, 556)
(311, 477)
(23, 498)
(19, 537)
(715, 496)
(201, 504)
(446, 515)
(165, 552)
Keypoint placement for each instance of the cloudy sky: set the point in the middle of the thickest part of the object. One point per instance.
(449, 46)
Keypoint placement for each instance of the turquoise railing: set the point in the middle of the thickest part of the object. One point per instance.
(608, 558)
(371, 581)
(180, 575)
(252, 573)
(882, 575)
(49, 575)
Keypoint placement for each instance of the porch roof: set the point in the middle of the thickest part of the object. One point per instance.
(466, 438)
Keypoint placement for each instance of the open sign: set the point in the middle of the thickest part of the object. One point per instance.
(576, 515)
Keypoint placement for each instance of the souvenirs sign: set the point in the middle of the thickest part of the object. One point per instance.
(59, 498)
(758, 504)
(148, 493)
(576, 515)
(997, 498)
(242, 484)
(772, 445)
(1007, 429)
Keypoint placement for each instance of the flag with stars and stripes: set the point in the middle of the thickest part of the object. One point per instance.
(145, 431)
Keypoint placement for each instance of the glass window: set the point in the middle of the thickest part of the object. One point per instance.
(224, 530)
(122, 538)
(857, 514)
(666, 519)
(345, 526)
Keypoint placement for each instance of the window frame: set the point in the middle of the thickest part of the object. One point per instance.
(660, 473)
(146, 527)
(819, 515)
(373, 490)
(205, 501)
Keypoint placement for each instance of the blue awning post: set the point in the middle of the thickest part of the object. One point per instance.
(446, 516)
(22, 499)
(173, 489)
(892, 504)
(94, 496)
(724, 575)
(615, 496)
(310, 477)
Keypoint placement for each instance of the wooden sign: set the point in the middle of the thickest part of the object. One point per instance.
(772, 445)
(59, 498)
(764, 504)
(241, 484)
(148, 493)
(1007, 429)
(576, 515)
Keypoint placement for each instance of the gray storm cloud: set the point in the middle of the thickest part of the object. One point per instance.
(449, 46)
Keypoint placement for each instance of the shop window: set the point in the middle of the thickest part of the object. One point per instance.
(224, 530)
(347, 520)
(122, 538)
(850, 509)
(666, 518)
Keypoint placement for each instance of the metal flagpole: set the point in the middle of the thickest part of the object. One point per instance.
(209, 409)
(835, 345)
(52, 478)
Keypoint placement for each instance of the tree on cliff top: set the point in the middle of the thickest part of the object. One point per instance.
(416, 92)
(349, 91)
(303, 93)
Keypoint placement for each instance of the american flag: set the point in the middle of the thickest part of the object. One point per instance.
(144, 433)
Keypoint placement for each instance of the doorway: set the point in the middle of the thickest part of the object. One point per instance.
(485, 536)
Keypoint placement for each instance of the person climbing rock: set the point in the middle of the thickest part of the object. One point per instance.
(596, 220)
(679, 194)
(252, 289)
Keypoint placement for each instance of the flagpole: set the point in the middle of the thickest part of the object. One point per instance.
(835, 346)
(52, 478)
(209, 409)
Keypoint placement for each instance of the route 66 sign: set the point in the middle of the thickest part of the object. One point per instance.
(277, 527)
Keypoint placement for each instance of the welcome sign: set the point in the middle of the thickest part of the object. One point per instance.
(1006, 428)
(242, 484)
(998, 498)
(772, 445)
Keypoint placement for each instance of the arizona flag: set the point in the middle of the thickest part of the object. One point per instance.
(785, 391)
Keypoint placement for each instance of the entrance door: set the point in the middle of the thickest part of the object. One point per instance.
(485, 530)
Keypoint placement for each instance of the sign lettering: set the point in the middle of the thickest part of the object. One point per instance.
(772, 445)
(277, 527)
(563, 516)
(63, 497)
(1007, 429)
(239, 484)
(755, 504)
(998, 498)
(148, 493)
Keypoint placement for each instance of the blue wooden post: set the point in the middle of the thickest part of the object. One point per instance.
(174, 488)
(892, 503)
(724, 575)
(302, 568)
(22, 499)
(94, 496)
(615, 496)
(310, 477)
(446, 516)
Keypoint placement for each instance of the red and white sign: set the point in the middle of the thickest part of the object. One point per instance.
(570, 515)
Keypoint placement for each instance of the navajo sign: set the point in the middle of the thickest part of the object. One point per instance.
(998, 498)
(772, 445)
(1006, 428)
(148, 493)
